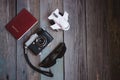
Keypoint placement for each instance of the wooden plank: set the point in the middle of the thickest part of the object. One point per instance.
(24, 72)
(21, 63)
(97, 40)
(35, 10)
(7, 42)
(114, 35)
(46, 7)
(75, 39)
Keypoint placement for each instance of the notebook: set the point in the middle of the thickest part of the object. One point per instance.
(21, 23)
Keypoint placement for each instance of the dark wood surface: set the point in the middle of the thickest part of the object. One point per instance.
(93, 41)
(97, 40)
(75, 38)
(8, 43)
(114, 32)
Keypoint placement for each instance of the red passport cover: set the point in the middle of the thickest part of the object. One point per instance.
(20, 24)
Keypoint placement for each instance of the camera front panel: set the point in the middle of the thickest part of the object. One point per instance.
(40, 42)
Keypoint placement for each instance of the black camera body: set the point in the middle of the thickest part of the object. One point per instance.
(38, 41)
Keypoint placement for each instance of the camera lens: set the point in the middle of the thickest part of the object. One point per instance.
(41, 41)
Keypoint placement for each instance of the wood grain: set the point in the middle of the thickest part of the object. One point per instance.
(75, 39)
(7, 42)
(114, 31)
(46, 7)
(24, 72)
(21, 63)
(34, 9)
(97, 40)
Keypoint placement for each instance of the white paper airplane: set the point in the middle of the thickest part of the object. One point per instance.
(61, 22)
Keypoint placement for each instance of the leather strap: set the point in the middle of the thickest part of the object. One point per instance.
(49, 74)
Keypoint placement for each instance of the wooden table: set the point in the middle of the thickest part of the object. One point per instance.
(93, 41)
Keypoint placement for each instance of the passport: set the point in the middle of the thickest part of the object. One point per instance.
(21, 24)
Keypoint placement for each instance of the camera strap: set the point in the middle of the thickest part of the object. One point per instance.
(47, 73)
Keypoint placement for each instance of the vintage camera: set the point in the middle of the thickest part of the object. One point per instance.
(38, 41)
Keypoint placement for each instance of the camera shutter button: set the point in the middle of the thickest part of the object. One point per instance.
(33, 42)
(36, 40)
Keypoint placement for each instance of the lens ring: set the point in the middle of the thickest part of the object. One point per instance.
(41, 41)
